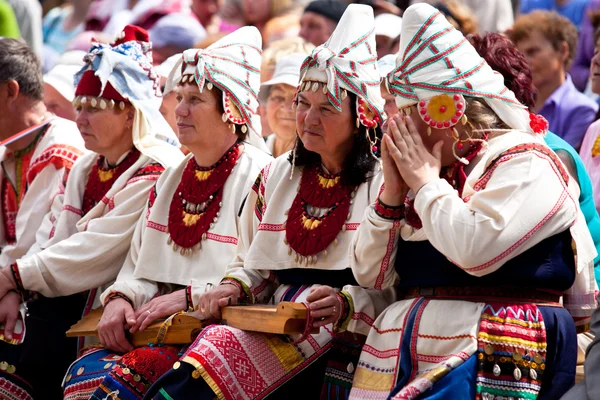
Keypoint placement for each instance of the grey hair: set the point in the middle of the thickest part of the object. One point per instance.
(481, 116)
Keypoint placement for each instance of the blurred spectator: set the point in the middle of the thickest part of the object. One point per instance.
(169, 102)
(59, 85)
(571, 9)
(481, 15)
(83, 41)
(271, 56)
(61, 25)
(9, 27)
(276, 96)
(285, 26)
(548, 40)
(386, 64)
(209, 39)
(458, 14)
(111, 16)
(387, 29)
(259, 12)
(279, 49)
(319, 19)
(580, 71)
(492, 15)
(29, 18)
(173, 34)
(590, 148)
(205, 11)
(382, 6)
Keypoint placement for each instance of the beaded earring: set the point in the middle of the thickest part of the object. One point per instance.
(443, 111)
(369, 120)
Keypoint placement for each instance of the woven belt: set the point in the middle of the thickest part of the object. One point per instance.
(485, 294)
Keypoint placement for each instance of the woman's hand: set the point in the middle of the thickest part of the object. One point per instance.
(118, 315)
(395, 189)
(9, 312)
(324, 305)
(7, 281)
(159, 307)
(416, 164)
(210, 303)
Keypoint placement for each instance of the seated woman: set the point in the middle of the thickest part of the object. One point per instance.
(488, 223)
(503, 56)
(295, 236)
(84, 240)
(188, 233)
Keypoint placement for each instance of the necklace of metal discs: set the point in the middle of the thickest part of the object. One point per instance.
(101, 179)
(308, 230)
(197, 200)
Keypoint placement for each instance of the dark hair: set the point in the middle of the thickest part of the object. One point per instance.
(594, 16)
(19, 63)
(554, 27)
(359, 162)
(503, 56)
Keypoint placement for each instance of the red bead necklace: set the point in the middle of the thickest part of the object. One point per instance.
(197, 200)
(101, 179)
(307, 233)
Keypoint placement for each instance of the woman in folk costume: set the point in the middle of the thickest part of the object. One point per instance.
(83, 242)
(488, 223)
(295, 238)
(188, 233)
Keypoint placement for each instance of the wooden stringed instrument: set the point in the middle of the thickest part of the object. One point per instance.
(182, 328)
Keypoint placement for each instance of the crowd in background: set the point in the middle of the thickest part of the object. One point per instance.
(558, 39)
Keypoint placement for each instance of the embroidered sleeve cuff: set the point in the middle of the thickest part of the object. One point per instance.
(245, 292)
(189, 299)
(116, 295)
(389, 212)
(347, 311)
(14, 269)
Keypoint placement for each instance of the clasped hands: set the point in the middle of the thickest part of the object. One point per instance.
(407, 162)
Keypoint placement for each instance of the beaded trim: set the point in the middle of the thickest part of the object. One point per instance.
(14, 269)
(117, 295)
(188, 298)
(97, 102)
(389, 212)
(244, 292)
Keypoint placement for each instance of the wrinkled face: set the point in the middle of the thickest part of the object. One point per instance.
(280, 113)
(321, 127)
(256, 11)
(595, 69)
(103, 131)
(545, 61)
(315, 28)
(167, 109)
(205, 10)
(57, 104)
(444, 135)
(390, 107)
(198, 114)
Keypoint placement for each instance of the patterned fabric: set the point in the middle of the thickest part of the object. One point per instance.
(102, 373)
(348, 60)
(436, 58)
(125, 68)
(511, 352)
(13, 192)
(233, 65)
(247, 365)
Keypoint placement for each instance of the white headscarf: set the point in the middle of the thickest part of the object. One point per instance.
(232, 64)
(436, 58)
(127, 66)
(348, 61)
